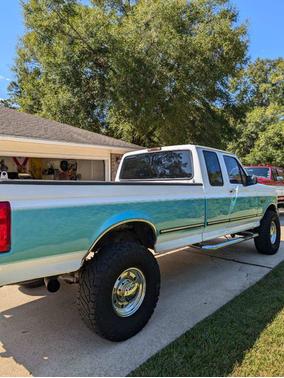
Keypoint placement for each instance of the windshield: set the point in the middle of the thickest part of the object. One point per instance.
(258, 171)
(157, 165)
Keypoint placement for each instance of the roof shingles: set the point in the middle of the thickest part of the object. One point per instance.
(19, 124)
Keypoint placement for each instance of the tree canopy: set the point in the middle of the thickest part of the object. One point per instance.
(150, 72)
(269, 147)
(260, 100)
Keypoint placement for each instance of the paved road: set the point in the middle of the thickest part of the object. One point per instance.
(41, 333)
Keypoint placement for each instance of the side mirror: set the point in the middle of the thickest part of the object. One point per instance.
(251, 180)
(279, 178)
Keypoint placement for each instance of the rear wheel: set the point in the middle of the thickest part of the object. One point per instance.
(268, 241)
(119, 290)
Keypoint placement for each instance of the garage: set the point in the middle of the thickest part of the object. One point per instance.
(32, 147)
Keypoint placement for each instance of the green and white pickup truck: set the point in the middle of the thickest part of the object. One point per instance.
(105, 235)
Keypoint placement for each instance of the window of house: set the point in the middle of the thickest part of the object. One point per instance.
(213, 168)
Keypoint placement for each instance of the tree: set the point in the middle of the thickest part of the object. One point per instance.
(62, 62)
(260, 100)
(151, 72)
(4, 103)
(261, 83)
(269, 147)
(170, 77)
(249, 129)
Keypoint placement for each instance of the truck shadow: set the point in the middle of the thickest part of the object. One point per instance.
(46, 335)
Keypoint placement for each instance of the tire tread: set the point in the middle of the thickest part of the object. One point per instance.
(93, 274)
(262, 242)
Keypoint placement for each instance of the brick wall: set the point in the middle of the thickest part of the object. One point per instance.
(115, 160)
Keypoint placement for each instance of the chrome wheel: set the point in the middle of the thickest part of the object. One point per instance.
(128, 292)
(273, 232)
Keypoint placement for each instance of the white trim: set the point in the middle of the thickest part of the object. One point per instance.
(107, 169)
(174, 241)
(57, 155)
(40, 267)
(46, 141)
(53, 196)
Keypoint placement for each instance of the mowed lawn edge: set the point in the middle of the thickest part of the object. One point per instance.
(245, 337)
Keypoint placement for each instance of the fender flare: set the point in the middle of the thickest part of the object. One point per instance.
(106, 229)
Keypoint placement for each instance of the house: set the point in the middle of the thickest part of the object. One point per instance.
(38, 148)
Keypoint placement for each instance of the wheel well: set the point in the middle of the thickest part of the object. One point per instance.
(138, 231)
(271, 207)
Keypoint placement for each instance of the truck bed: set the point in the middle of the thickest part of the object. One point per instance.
(55, 220)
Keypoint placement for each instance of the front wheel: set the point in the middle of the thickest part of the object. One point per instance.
(119, 290)
(268, 241)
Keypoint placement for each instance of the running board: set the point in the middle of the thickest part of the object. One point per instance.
(246, 236)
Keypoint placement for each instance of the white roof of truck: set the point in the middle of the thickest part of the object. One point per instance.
(176, 147)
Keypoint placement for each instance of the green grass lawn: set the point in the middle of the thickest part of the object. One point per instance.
(244, 337)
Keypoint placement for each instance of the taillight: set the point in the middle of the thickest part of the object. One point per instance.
(5, 226)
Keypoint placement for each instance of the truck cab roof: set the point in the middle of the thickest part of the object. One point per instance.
(175, 147)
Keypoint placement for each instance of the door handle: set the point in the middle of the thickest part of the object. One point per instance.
(232, 190)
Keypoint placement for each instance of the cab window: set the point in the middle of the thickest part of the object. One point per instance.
(163, 165)
(235, 171)
(213, 168)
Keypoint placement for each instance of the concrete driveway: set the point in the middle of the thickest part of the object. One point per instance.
(41, 333)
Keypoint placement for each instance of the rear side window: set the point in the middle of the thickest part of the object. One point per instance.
(158, 166)
(235, 171)
(213, 168)
(274, 174)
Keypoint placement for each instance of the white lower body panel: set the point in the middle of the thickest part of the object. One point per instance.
(41, 267)
(207, 233)
(217, 231)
